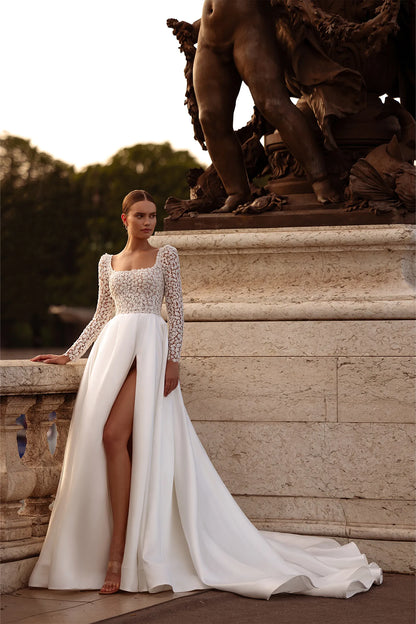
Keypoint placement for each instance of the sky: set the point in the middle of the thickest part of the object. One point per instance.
(82, 79)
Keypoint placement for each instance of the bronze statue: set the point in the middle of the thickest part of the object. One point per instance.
(326, 52)
(385, 179)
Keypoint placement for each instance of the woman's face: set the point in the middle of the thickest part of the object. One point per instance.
(140, 219)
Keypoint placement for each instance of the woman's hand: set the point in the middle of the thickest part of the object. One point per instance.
(171, 376)
(49, 358)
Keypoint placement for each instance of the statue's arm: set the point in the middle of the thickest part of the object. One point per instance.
(184, 31)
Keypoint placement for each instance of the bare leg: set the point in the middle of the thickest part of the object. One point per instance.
(217, 85)
(257, 60)
(116, 437)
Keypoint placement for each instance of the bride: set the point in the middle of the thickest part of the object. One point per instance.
(139, 505)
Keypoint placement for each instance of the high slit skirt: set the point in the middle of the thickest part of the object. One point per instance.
(184, 529)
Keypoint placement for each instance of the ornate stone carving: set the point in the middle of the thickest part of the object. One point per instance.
(17, 479)
(45, 466)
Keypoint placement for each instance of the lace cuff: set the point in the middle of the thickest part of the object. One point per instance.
(173, 298)
(103, 313)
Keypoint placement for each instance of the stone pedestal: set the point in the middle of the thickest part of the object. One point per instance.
(298, 373)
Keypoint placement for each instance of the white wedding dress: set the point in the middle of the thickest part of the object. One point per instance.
(185, 531)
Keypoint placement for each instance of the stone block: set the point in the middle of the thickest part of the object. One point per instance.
(20, 549)
(22, 377)
(391, 556)
(376, 389)
(296, 508)
(260, 389)
(354, 518)
(15, 574)
(285, 514)
(340, 460)
(397, 514)
(300, 338)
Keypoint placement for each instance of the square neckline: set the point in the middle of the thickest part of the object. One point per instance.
(139, 269)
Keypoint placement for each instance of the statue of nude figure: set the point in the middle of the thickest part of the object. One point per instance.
(237, 42)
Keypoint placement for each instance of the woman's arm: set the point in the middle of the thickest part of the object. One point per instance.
(174, 307)
(50, 358)
(174, 303)
(103, 313)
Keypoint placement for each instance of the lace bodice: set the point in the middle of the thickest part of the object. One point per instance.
(137, 290)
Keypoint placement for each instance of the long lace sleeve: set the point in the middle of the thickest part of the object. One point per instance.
(173, 298)
(103, 313)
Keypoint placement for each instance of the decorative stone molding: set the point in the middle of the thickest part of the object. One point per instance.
(349, 272)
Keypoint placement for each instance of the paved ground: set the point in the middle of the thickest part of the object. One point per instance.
(41, 606)
(391, 603)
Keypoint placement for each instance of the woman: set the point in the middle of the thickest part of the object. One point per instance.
(139, 505)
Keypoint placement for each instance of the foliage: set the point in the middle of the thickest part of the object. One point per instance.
(56, 223)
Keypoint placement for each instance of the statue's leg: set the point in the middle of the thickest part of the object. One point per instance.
(258, 62)
(217, 85)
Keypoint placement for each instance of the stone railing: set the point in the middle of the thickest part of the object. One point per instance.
(41, 397)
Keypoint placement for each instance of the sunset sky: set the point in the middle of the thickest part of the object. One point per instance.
(83, 78)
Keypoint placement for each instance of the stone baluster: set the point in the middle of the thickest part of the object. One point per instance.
(63, 421)
(18, 481)
(39, 458)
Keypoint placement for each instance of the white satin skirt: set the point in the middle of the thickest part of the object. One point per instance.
(185, 531)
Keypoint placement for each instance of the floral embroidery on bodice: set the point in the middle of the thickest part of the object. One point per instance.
(135, 291)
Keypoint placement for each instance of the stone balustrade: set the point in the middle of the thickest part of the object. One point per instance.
(28, 483)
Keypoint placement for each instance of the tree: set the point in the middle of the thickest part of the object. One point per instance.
(57, 223)
(37, 204)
